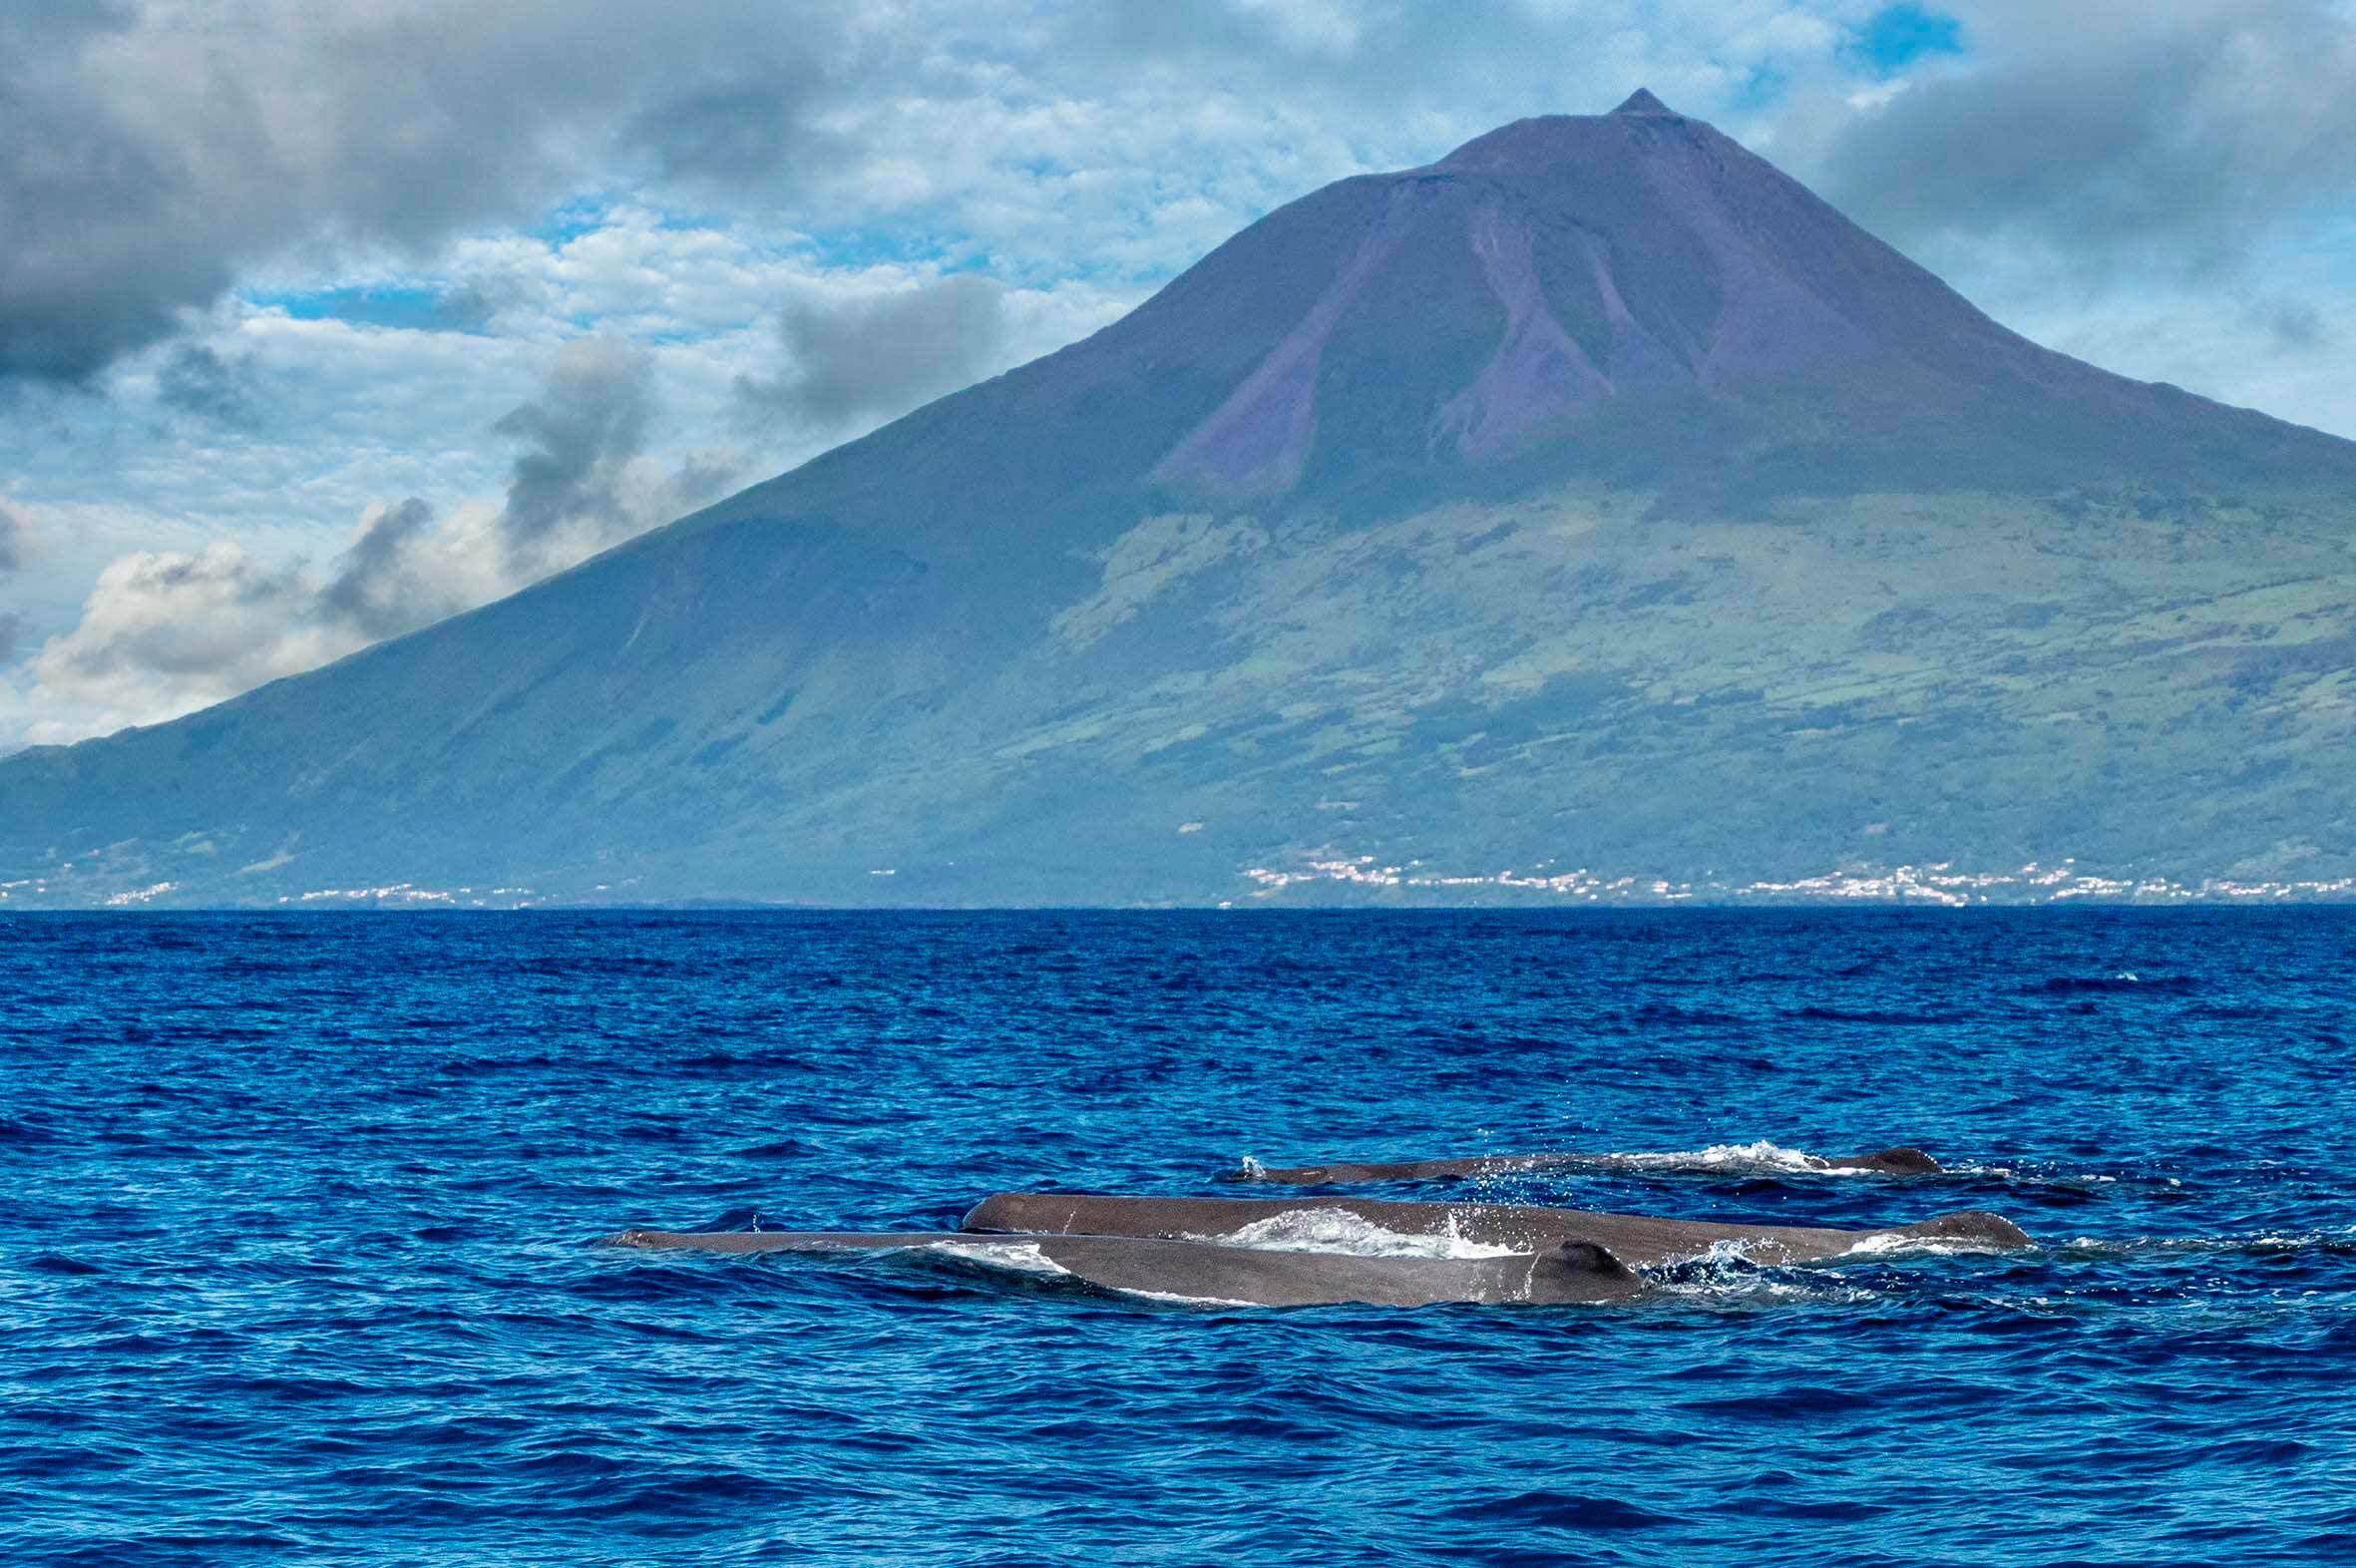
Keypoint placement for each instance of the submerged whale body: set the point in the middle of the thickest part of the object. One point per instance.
(1567, 1273)
(1639, 1239)
(1905, 1161)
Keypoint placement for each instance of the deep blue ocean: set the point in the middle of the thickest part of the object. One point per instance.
(304, 1263)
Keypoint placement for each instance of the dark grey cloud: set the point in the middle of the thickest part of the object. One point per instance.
(12, 627)
(165, 632)
(467, 307)
(379, 588)
(146, 163)
(153, 154)
(700, 479)
(197, 380)
(579, 436)
(16, 540)
(578, 485)
(2116, 135)
(850, 361)
(738, 130)
(2294, 325)
(88, 273)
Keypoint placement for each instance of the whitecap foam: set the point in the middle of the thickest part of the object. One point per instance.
(1340, 1231)
(1727, 1276)
(1760, 1156)
(1889, 1244)
(1180, 1300)
(2268, 1242)
(1020, 1257)
(1774, 1159)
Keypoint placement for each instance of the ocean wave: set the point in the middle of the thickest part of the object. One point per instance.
(2123, 980)
(1891, 1244)
(1727, 1276)
(1765, 1158)
(2255, 1243)
(1761, 1157)
(420, 1236)
(1169, 1299)
(1817, 1015)
(1758, 1158)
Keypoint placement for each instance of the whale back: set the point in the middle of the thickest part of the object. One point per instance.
(1207, 1273)
(1902, 1161)
(1210, 1274)
(1641, 1241)
(1971, 1228)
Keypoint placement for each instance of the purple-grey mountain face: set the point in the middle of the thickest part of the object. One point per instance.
(1593, 500)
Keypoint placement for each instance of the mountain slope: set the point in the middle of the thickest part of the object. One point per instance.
(1595, 497)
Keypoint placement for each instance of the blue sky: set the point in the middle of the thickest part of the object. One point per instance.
(321, 319)
(1899, 36)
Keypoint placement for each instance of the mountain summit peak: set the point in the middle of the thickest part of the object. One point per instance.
(1642, 102)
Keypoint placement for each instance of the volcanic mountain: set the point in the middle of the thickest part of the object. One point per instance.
(1595, 498)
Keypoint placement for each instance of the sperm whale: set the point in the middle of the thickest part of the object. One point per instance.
(1208, 1273)
(1905, 1161)
(1228, 1275)
(1641, 1241)
(1240, 1252)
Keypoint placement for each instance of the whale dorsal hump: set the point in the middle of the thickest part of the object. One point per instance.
(1585, 1257)
(1971, 1227)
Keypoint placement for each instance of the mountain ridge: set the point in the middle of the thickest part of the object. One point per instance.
(1249, 550)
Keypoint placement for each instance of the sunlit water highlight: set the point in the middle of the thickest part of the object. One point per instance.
(301, 1268)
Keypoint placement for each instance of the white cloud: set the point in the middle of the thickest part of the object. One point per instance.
(164, 634)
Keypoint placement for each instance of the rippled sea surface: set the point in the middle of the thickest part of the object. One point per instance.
(303, 1265)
